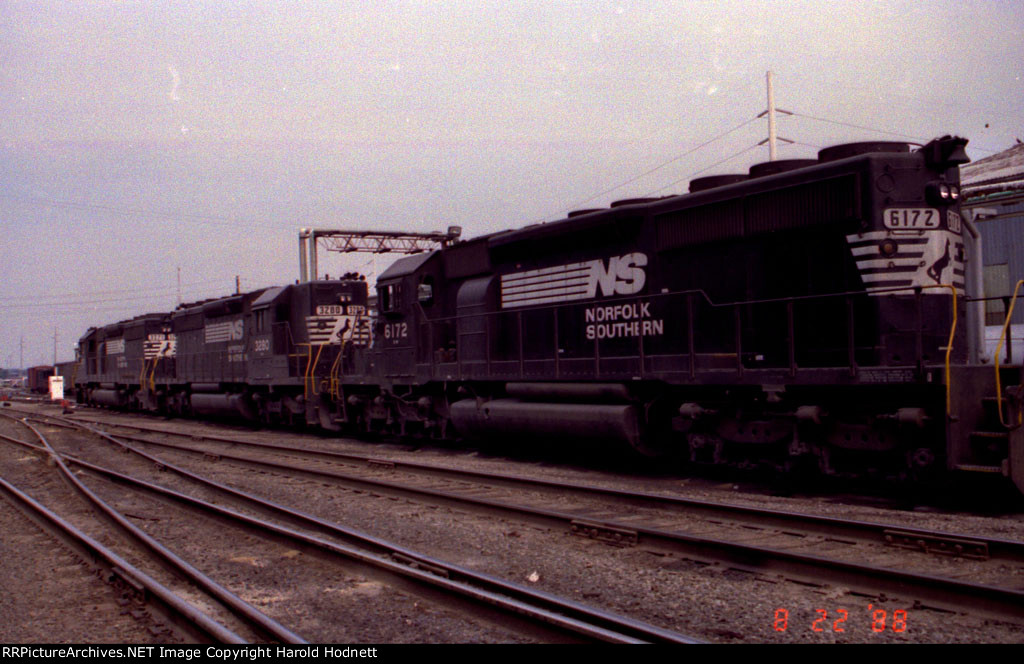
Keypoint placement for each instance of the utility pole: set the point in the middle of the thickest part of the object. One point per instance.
(772, 149)
(773, 137)
(55, 349)
(179, 285)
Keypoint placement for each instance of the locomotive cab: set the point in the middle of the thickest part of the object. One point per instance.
(407, 296)
(268, 342)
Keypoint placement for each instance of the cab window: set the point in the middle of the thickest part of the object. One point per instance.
(389, 297)
(425, 292)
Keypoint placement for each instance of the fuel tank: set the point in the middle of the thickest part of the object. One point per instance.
(605, 423)
(108, 398)
(225, 405)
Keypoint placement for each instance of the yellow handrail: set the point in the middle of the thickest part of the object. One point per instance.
(336, 372)
(949, 350)
(144, 382)
(949, 346)
(337, 367)
(152, 373)
(999, 351)
(309, 379)
(319, 352)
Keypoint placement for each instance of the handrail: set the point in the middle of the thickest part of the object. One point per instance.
(701, 295)
(151, 382)
(999, 351)
(305, 373)
(338, 366)
(890, 290)
(144, 382)
(949, 346)
(312, 367)
(336, 370)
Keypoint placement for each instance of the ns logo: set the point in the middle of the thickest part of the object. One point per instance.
(236, 330)
(229, 330)
(623, 276)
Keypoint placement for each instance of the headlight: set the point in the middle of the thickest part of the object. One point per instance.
(940, 193)
(888, 248)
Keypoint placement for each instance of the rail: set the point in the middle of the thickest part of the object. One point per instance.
(653, 533)
(256, 619)
(114, 566)
(412, 569)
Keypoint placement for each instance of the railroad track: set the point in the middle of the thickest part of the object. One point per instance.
(178, 610)
(804, 548)
(136, 586)
(751, 519)
(539, 614)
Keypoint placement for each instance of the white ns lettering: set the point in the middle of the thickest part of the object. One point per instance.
(624, 275)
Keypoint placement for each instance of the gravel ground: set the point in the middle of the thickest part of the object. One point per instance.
(317, 599)
(50, 596)
(707, 601)
(998, 521)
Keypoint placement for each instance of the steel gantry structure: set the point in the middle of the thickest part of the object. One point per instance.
(375, 242)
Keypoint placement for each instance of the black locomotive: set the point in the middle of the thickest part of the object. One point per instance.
(808, 311)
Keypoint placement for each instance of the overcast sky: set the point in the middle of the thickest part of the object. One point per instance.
(137, 138)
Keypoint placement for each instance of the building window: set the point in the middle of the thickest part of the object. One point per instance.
(997, 284)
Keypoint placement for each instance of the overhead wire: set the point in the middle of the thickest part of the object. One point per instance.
(87, 303)
(873, 129)
(113, 291)
(176, 216)
(663, 164)
(744, 151)
(733, 156)
(705, 169)
(856, 126)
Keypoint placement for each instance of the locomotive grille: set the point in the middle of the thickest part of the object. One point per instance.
(707, 223)
(826, 201)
